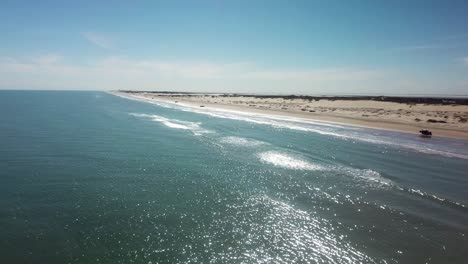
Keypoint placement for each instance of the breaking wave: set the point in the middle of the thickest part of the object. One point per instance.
(194, 127)
(322, 128)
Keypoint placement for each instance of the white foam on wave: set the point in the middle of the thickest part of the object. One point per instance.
(258, 118)
(346, 133)
(322, 128)
(433, 197)
(299, 124)
(262, 118)
(370, 177)
(292, 123)
(284, 160)
(278, 122)
(194, 127)
(367, 176)
(431, 151)
(143, 99)
(240, 141)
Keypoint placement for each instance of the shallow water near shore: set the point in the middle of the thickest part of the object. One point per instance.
(89, 177)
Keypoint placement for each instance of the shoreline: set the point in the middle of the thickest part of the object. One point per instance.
(352, 119)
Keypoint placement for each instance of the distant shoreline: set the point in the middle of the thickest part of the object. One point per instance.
(416, 99)
(445, 117)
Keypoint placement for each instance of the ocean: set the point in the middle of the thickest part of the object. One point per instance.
(90, 177)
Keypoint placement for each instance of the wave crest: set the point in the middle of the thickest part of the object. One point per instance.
(194, 127)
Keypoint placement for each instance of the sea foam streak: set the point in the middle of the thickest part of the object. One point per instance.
(194, 127)
(240, 141)
(280, 159)
(370, 177)
(322, 128)
(283, 160)
(434, 197)
(342, 132)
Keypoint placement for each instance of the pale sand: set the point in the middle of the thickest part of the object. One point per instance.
(381, 115)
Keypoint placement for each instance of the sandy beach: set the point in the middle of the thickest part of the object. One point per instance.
(445, 120)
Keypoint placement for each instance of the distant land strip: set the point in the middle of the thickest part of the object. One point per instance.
(394, 99)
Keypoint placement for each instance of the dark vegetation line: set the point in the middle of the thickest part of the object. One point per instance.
(394, 99)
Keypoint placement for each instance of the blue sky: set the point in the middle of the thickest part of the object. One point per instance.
(302, 47)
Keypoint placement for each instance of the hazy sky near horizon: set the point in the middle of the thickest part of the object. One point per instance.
(286, 47)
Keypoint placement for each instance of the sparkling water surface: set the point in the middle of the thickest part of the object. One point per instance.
(90, 177)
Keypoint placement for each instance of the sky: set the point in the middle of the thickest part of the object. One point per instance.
(268, 47)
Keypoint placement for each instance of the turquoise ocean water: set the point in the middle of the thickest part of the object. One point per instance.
(89, 177)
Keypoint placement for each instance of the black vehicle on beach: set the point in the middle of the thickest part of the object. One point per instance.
(425, 133)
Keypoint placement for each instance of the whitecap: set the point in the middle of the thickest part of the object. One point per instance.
(194, 127)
